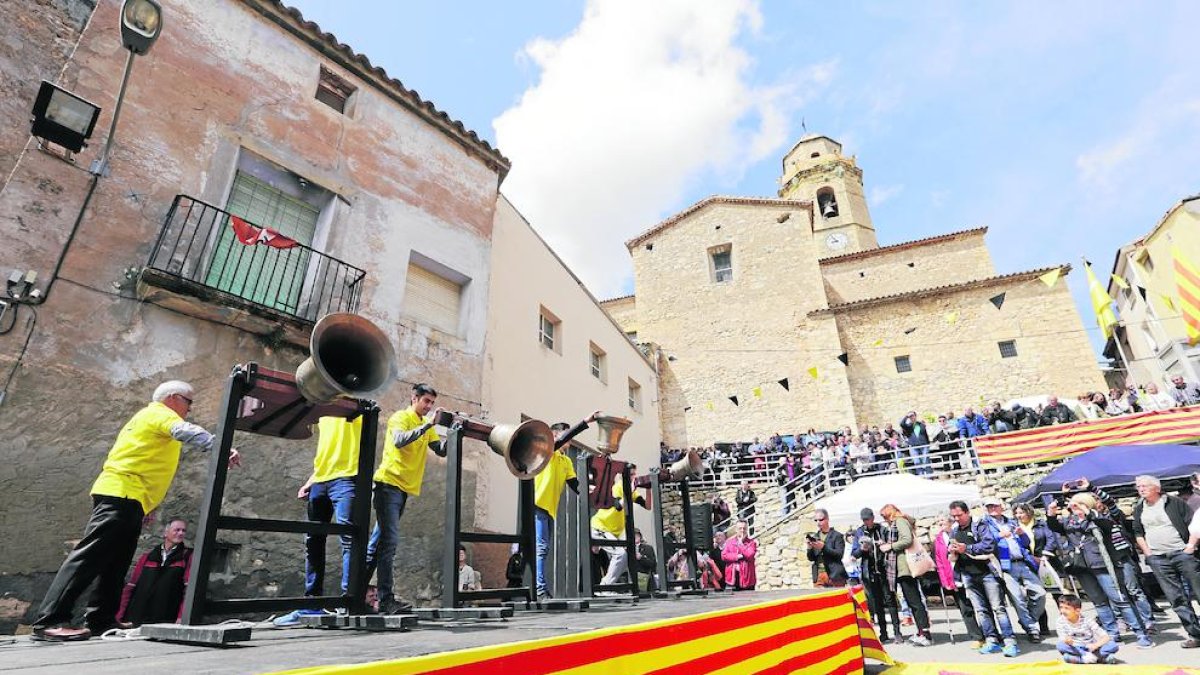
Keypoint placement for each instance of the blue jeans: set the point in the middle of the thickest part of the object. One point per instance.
(1106, 650)
(1141, 602)
(920, 460)
(1029, 596)
(543, 530)
(1102, 590)
(327, 500)
(987, 595)
(381, 551)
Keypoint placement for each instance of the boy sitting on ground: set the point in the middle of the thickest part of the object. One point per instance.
(1080, 639)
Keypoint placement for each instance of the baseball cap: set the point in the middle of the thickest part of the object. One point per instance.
(866, 513)
(992, 501)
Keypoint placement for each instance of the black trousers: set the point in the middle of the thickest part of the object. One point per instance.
(911, 589)
(104, 554)
(880, 600)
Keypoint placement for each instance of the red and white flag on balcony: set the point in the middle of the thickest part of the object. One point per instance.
(250, 235)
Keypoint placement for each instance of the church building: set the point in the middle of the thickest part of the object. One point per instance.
(790, 306)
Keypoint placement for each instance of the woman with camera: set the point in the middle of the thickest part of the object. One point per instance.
(900, 573)
(1089, 559)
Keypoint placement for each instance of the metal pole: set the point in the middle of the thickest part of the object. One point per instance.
(453, 515)
(584, 526)
(101, 163)
(360, 511)
(660, 540)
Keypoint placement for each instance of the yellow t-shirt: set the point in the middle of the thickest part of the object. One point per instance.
(143, 460)
(612, 519)
(405, 467)
(548, 485)
(337, 448)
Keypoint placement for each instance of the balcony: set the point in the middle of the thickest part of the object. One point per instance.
(201, 267)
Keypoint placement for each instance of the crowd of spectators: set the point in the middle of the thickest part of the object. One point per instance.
(1004, 564)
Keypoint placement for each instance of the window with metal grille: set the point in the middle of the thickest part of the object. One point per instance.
(269, 276)
(432, 298)
(334, 91)
(1008, 349)
(903, 364)
(722, 263)
(597, 360)
(549, 330)
(635, 395)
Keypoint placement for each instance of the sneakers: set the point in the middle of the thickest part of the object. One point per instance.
(977, 645)
(1034, 638)
(899, 640)
(394, 606)
(990, 647)
(1190, 643)
(920, 640)
(60, 634)
(1010, 649)
(293, 618)
(907, 621)
(1144, 643)
(1089, 657)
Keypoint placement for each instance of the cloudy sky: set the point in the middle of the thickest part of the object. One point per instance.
(1067, 128)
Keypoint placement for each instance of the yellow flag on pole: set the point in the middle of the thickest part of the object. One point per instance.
(1050, 278)
(1187, 282)
(1120, 282)
(1101, 303)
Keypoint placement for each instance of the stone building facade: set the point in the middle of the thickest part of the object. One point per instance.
(734, 294)
(242, 108)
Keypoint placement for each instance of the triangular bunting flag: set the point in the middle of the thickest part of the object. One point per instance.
(813, 372)
(908, 331)
(997, 300)
(1142, 291)
(951, 318)
(1120, 282)
(784, 383)
(1168, 301)
(844, 357)
(757, 392)
(1050, 278)
(709, 405)
(877, 343)
(687, 408)
(734, 399)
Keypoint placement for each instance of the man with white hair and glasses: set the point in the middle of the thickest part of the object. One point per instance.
(1161, 525)
(131, 485)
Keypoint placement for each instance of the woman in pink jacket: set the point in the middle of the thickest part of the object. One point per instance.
(738, 555)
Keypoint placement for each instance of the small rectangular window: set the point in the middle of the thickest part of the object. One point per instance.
(632, 335)
(597, 361)
(433, 294)
(903, 364)
(333, 90)
(1008, 349)
(549, 331)
(635, 395)
(721, 258)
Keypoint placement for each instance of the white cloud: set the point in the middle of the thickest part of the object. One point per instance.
(883, 193)
(1166, 118)
(638, 102)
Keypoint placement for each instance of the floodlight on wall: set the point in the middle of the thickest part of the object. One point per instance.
(141, 22)
(63, 118)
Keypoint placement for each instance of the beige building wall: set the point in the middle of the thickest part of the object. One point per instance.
(722, 339)
(524, 377)
(623, 310)
(938, 261)
(1155, 337)
(956, 364)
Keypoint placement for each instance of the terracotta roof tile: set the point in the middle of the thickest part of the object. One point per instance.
(619, 297)
(937, 290)
(857, 255)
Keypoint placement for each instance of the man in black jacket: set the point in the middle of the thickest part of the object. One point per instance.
(872, 562)
(1056, 413)
(745, 499)
(825, 549)
(1160, 523)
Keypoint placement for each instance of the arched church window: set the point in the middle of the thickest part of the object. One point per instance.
(827, 203)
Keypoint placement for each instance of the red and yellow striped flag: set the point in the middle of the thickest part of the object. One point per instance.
(1187, 281)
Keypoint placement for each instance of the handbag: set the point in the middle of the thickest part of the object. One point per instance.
(1073, 560)
(918, 559)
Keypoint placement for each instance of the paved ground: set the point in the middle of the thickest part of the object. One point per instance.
(281, 649)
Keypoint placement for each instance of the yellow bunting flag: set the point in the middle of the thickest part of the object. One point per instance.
(951, 318)
(1050, 278)
(709, 405)
(813, 372)
(1168, 301)
(1101, 303)
(1187, 283)
(877, 343)
(1120, 282)
(757, 392)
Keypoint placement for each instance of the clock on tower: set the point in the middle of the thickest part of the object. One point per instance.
(836, 241)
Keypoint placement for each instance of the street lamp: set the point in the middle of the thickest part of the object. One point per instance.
(141, 22)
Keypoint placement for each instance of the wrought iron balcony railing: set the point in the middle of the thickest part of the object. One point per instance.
(199, 244)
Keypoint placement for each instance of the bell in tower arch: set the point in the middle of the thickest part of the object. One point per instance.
(827, 203)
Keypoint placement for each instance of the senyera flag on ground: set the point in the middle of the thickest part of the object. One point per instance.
(819, 633)
(1067, 440)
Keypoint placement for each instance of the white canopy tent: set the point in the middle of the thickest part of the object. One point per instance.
(916, 496)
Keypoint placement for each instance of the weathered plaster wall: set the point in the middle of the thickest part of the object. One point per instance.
(221, 79)
(904, 268)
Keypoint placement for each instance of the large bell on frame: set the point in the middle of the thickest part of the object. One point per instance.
(351, 357)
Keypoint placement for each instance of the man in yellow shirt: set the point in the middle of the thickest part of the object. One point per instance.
(547, 492)
(610, 524)
(399, 476)
(329, 493)
(133, 482)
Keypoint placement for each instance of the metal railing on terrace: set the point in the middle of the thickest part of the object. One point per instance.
(198, 244)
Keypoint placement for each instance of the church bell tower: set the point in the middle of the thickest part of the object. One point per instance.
(816, 171)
